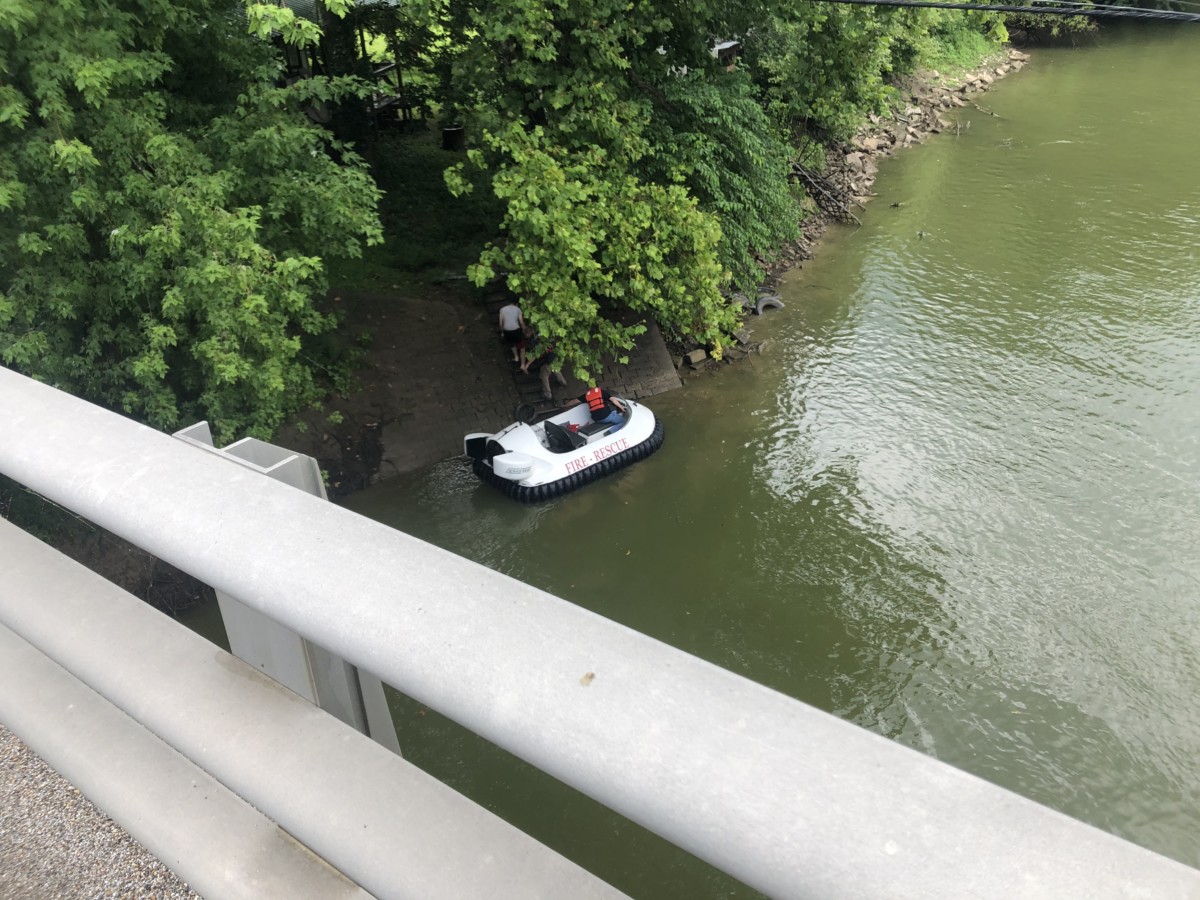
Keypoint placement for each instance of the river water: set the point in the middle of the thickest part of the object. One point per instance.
(955, 503)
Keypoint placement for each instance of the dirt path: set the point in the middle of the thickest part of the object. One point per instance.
(431, 373)
(434, 371)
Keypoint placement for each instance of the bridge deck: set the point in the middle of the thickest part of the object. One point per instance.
(54, 842)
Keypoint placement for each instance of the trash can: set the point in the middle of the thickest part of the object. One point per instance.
(454, 137)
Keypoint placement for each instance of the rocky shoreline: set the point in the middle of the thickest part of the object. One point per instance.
(851, 169)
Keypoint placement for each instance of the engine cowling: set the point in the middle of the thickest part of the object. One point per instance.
(513, 466)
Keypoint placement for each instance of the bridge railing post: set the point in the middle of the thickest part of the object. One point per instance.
(324, 679)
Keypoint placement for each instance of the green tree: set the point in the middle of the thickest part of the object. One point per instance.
(822, 67)
(1048, 28)
(588, 244)
(167, 207)
(712, 135)
(578, 110)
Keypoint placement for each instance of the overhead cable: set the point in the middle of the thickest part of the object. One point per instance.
(1099, 12)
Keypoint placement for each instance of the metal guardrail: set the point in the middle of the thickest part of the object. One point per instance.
(216, 841)
(226, 775)
(790, 800)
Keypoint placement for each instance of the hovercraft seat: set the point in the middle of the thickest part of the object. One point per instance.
(560, 440)
(594, 428)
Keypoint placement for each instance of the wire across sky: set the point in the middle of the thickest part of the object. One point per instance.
(1064, 8)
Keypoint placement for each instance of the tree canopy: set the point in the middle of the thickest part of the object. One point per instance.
(639, 173)
(167, 206)
(638, 176)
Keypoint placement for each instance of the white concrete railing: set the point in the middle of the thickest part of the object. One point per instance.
(790, 800)
(241, 786)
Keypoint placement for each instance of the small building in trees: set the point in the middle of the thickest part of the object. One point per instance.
(726, 53)
(374, 41)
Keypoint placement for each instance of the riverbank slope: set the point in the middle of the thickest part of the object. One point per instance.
(435, 369)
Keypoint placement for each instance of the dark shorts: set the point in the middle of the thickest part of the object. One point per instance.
(513, 338)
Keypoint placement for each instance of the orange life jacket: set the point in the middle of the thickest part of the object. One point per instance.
(595, 400)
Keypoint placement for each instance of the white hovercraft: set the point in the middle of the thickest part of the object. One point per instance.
(534, 462)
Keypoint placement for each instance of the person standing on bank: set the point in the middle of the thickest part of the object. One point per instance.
(512, 329)
(604, 406)
(541, 355)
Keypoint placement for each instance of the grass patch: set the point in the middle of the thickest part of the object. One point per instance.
(428, 234)
(959, 51)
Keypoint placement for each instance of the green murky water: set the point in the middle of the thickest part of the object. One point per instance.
(957, 503)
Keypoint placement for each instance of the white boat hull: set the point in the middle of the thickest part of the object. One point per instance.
(549, 458)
